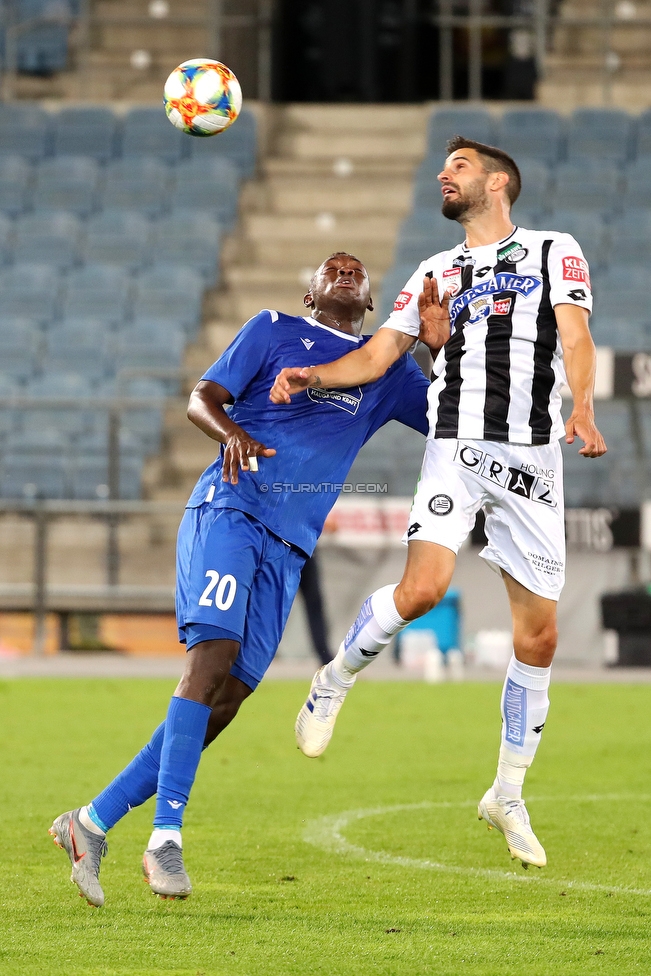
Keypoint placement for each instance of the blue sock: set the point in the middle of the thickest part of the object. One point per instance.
(185, 731)
(135, 784)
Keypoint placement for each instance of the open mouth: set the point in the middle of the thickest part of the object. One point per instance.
(447, 191)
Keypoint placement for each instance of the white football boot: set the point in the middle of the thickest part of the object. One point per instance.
(511, 818)
(316, 720)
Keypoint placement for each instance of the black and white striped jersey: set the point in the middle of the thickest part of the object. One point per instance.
(500, 374)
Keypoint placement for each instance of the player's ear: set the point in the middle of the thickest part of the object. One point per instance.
(308, 301)
(370, 307)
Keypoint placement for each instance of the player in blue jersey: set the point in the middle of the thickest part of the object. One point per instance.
(246, 533)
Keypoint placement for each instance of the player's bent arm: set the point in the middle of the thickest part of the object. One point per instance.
(206, 411)
(364, 365)
(580, 365)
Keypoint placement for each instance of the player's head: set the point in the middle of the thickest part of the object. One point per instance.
(340, 282)
(477, 178)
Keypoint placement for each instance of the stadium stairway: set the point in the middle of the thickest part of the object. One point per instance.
(333, 178)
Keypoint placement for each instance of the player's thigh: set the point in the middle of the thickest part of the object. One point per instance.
(272, 595)
(218, 554)
(525, 522)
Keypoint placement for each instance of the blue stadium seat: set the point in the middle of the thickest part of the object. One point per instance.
(139, 184)
(46, 441)
(534, 196)
(591, 185)
(33, 476)
(9, 418)
(643, 141)
(392, 284)
(117, 237)
(48, 237)
(425, 233)
(170, 292)
(531, 133)
(150, 346)
(19, 347)
(67, 420)
(145, 423)
(188, 238)
(67, 183)
(148, 132)
(638, 185)
(427, 194)
(98, 291)
(586, 228)
(84, 348)
(598, 133)
(622, 317)
(472, 123)
(15, 181)
(238, 143)
(89, 476)
(25, 130)
(43, 48)
(30, 291)
(6, 239)
(630, 239)
(209, 185)
(85, 132)
(644, 411)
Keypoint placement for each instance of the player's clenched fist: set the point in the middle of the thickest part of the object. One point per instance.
(585, 428)
(291, 379)
(434, 315)
(239, 448)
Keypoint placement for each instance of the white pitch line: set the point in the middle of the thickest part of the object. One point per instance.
(326, 833)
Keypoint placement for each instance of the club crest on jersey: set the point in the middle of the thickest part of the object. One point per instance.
(512, 253)
(576, 269)
(402, 301)
(504, 281)
(452, 280)
(348, 400)
(480, 309)
(502, 306)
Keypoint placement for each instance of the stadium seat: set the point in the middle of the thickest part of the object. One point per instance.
(6, 236)
(145, 423)
(98, 291)
(630, 239)
(238, 143)
(531, 134)
(89, 477)
(392, 284)
(536, 178)
(48, 237)
(139, 184)
(170, 292)
(33, 476)
(85, 132)
(472, 123)
(638, 185)
(208, 185)
(42, 48)
(586, 228)
(622, 317)
(83, 348)
(591, 185)
(67, 420)
(15, 182)
(19, 347)
(600, 134)
(45, 441)
(30, 291)
(189, 238)
(25, 130)
(150, 346)
(67, 183)
(9, 418)
(117, 237)
(148, 132)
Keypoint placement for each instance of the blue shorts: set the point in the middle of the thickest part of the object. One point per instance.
(235, 580)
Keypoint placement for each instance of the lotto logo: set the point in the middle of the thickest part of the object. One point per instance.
(576, 269)
(501, 306)
(402, 301)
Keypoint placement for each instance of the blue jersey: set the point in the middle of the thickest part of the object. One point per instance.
(316, 437)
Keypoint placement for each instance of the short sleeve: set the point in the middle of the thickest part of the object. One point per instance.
(405, 317)
(239, 364)
(569, 275)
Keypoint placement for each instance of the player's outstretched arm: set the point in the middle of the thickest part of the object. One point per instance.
(206, 410)
(363, 365)
(434, 316)
(580, 364)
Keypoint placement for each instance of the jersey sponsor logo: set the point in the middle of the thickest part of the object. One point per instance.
(577, 295)
(502, 306)
(402, 301)
(530, 481)
(576, 269)
(348, 400)
(504, 281)
(513, 253)
(440, 505)
(308, 343)
(452, 280)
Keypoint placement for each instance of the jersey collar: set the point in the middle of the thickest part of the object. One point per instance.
(320, 325)
(499, 244)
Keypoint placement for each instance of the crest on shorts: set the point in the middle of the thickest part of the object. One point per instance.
(440, 505)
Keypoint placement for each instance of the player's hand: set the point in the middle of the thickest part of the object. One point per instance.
(434, 315)
(290, 380)
(239, 448)
(584, 427)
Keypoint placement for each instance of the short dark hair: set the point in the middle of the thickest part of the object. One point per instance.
(495, 161)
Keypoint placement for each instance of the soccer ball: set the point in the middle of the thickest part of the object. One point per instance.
(202, 97)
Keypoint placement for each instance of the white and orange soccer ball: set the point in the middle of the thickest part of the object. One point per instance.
(202, 97)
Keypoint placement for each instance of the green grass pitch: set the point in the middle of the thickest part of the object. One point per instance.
(268, 902)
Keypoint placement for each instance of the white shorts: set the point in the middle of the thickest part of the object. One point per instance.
(520, 489)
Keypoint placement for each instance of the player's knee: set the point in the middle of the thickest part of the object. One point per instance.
(415, 599)
(539, 645)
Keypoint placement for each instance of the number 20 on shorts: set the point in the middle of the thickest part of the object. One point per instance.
(224, 590)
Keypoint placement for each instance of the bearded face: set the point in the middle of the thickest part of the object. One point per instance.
(469, 202)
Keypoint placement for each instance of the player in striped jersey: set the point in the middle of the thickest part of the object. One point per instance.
(510, 328)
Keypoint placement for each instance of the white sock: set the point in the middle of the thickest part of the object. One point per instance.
(377, 623)
(90, 824)
(162, 834)
(524, 712)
